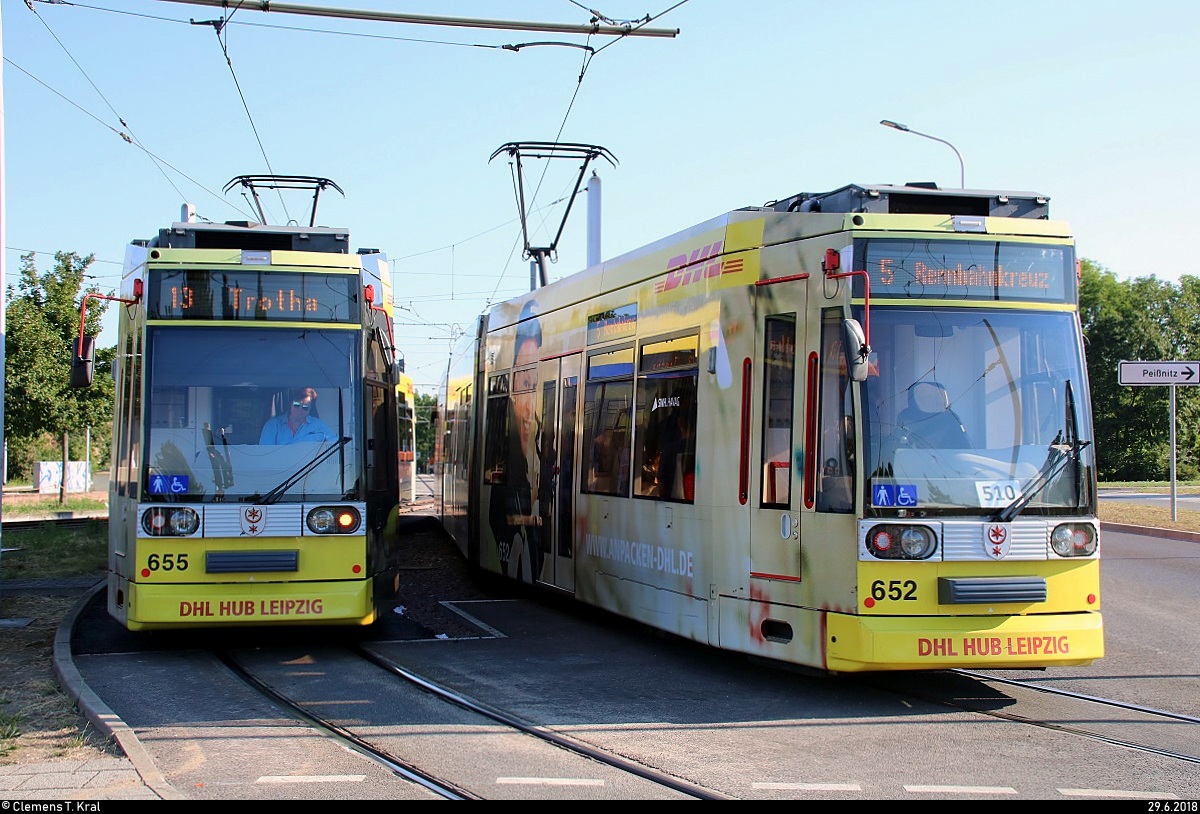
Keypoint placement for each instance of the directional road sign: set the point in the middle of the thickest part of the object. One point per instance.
(1159, 373)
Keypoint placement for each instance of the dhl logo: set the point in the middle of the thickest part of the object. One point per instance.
(686, 269)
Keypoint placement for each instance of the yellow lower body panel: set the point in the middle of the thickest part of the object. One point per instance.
(157, 607)
(861, 643)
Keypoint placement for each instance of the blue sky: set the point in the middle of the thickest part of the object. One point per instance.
(1092, 103)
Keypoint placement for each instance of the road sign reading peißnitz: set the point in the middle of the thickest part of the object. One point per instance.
(1159, 373)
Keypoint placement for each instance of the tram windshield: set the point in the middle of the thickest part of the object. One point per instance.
(976, 410)
(250, 415)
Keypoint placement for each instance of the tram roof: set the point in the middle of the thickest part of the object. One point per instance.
(918, 198)
(252, 236)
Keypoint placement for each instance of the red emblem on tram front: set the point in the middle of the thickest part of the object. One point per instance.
(254, 520)
(995, 543)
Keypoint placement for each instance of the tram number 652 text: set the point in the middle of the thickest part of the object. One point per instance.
(167, 562)
(894, 589)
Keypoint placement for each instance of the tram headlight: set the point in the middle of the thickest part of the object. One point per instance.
(334, 520)
(916, 542)
(170, 521)
(1074, 540)
(894, 541)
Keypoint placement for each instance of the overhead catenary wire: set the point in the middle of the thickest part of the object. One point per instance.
(617, 29)
(222, 39)
(589, 55)
(128, 134)
(607, 27)
(422, 19)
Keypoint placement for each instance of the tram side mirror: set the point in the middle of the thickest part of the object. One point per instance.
(83, 361)
(857, 350)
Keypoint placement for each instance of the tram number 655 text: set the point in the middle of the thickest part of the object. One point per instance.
(894, 589)
(167, 562)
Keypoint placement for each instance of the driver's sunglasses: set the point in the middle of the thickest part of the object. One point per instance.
(303, 405)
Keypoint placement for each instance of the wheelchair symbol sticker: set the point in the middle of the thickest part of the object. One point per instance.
(168, 484)
(887, 495)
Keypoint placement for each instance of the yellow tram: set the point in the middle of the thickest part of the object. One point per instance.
(848, 430)
(255, 438)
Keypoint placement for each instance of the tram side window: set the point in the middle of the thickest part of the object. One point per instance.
(381, 449)
(462, 430)
(836, 446)
(495, 438)
(779, 383)
(404, 427)
(124, 464)
(607, 418)
(665, 463)
(133, 455)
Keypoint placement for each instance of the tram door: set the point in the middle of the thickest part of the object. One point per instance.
(558, 402)
(777, 449)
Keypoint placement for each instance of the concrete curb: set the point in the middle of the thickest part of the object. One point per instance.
(1166, 534)
(101, 716)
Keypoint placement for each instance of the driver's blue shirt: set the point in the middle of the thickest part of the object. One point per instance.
(277, 431)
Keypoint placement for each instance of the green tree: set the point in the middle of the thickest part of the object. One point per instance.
(41, 409)
(1141, 319)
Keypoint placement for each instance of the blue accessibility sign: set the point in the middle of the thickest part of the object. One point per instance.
(168, 484)
(898, 495)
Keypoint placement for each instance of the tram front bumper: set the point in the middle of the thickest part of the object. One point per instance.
(222, 604)
(865, 643)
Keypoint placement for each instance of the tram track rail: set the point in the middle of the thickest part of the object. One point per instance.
(1191, 719)
(570, 744)
(1091, 699)
(1073, 712)
(439, 780)
(401, 768)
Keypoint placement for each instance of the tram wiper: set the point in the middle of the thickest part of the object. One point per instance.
(1064, 449)
(295, 477)
(222, 466)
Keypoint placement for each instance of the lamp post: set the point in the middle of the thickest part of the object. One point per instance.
(962, 171)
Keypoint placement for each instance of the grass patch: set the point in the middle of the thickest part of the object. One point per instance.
(49, 551)
(27, 507)
(9, 726)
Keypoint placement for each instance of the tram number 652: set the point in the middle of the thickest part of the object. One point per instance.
(895, 589)
(167, 562)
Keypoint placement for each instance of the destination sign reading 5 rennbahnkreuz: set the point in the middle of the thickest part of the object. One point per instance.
(1159, 373)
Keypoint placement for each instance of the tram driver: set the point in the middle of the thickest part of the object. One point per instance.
(299, 422)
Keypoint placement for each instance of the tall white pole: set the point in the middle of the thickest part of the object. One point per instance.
(3, 267)
(593, 237)
(1174, 505)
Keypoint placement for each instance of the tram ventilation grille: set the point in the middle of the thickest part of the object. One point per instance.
(228, 562)
(984, 590)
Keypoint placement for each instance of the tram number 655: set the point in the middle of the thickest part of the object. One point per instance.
(896, 589)
(167, 562)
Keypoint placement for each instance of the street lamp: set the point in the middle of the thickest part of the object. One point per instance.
(962, 171)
